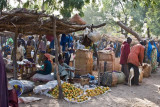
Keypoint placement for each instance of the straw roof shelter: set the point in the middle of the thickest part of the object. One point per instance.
(32, 22)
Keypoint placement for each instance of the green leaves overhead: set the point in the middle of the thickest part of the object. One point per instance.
(3, 3)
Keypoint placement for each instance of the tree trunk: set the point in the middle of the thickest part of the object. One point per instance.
(148, 32)
(127, 29)
(36, 50)
(14, 54)
(56, 59)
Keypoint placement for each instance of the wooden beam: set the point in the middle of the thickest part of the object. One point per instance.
(129, 30)
(61, 96)
(14, 54)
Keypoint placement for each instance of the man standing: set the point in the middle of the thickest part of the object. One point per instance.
(125, 50)
(3, 85)
(135, 59)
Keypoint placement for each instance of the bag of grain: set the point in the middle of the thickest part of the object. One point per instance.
(140, 74)
(117, 66)
(106, 66)
(106, 55)
(114, 79)
(146, 70)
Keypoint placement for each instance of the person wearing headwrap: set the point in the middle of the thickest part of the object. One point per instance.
(152, 54)
(65, 71)
(47, 65)
(3, 85)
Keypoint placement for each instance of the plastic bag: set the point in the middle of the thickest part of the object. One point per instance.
(46, 87)
(28, 99)
(44, 78)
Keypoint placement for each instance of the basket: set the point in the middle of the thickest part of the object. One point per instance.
(105, 55)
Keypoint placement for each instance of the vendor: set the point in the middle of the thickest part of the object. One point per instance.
(19, 52)
(47, 65)
(28, 51)
(65, 71)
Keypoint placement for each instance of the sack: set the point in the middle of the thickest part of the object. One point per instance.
(117, 66)
(106, 66)
(94, 36)
(120, 77)
(42, 89)
(86, 41)
(114, 79)
(106, 79)
(28, 99)
(146, 70)
(25, 86)
(44, 78)
(13, 98)
(106, 55)
(140, 75)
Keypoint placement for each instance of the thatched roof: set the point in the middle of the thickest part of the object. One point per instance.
(32, 22)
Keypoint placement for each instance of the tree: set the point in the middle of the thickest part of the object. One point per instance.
(3, 3)
(65, 7)
(153, 19)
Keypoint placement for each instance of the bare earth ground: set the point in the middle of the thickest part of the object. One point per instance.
(146, 95)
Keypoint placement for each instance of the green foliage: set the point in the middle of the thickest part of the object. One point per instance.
(3, 3)
(65, 7)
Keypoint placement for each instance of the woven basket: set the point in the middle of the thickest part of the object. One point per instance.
(106, 55)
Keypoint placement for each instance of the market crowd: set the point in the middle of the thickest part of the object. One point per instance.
(147, 51)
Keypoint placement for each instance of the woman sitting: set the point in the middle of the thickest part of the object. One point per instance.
(47, 65)
(65, 71)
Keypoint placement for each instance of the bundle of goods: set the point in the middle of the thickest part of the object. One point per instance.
(114, 79)
(140, 74)
(108, 59)
(22, 86)
(97, 91)
(43, 78)
(77, 19)
(106, 55)
(106, 79)
(117, 66)
(120, 77)
(146, 70)
(94, 36)
(106, 66)
(84, 61)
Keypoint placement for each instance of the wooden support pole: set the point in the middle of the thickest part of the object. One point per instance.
(36, 50)
(14, 54)
(61, 96)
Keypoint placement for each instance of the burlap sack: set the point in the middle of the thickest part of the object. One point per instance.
(146, 70)
(117, 66)
(140, 74)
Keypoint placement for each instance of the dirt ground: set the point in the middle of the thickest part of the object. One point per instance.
(145, 95)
